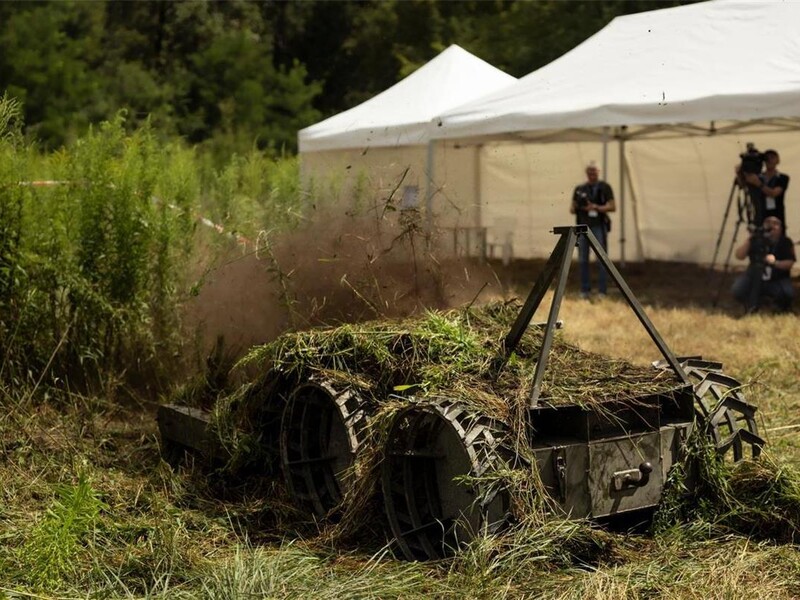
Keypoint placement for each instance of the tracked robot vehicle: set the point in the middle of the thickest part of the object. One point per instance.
(596, 460)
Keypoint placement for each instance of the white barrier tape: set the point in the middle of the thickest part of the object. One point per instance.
(42, 183)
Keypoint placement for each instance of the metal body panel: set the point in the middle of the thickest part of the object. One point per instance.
(605, 477)
(563, 471)
(613, 486)
(187, 428)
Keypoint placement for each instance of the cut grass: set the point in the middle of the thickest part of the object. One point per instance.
(456, 353)
(164, 534)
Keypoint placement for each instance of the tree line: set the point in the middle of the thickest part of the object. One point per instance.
(236, 75)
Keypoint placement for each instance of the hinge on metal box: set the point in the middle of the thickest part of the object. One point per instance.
(560, 469)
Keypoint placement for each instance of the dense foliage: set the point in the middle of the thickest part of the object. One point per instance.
(93, 266)
(239, 74)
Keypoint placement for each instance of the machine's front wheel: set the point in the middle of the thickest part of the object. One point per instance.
(321, 431)
(434, 486)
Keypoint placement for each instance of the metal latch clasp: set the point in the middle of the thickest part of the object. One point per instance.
(632, 478)
(560, 467)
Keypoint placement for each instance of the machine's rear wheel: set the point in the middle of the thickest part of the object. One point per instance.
(321, 431)
(434, 498)
(727, 417)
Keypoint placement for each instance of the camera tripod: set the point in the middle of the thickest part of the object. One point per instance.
(746, 213)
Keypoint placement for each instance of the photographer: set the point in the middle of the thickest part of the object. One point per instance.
(771, 256)
(766, 187)
(591, 203)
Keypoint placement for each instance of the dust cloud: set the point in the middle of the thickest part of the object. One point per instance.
(334, 269)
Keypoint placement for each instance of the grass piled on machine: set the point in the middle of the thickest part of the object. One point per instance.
(361, 417)
(451, 353)
(364, 377)
(455, 423)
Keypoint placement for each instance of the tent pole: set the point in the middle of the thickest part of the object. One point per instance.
(429, 190)
(605, 151)
(622, 172)
(639, 248)
(478, 204)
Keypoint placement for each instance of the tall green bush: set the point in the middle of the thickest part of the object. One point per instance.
(91, 265)
(255, 192)
(13, 295)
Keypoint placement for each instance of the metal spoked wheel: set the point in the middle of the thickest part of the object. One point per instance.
(321, 431)
(720, 405)
(433, 493)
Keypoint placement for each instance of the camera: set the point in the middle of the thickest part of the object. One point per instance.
(759, 243)
(752, 160)
(760, 231)
(581, 199)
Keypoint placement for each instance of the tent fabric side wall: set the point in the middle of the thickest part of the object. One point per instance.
(686, 184)
(358, 181)
(528, 188)
(674, 202)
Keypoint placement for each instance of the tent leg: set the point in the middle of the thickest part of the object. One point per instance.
(478, 203)
(429, 172)
(639, 248)
(622, 178)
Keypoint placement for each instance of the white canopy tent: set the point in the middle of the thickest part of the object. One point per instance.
(402, 114)
(681, 89)
(382, 145)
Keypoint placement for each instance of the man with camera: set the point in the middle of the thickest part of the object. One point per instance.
(771, 256)
(767, 187)
(591, 203)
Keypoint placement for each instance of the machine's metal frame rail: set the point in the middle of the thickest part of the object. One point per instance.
(557, 268)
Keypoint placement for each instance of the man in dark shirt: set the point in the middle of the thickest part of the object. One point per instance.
(771, 256)
(768, 189)
(591, 203)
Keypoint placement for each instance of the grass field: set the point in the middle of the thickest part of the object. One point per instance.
(90, 511)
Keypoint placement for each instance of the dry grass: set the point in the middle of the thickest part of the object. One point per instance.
(762, 351)
(721, 569)
(135, 529)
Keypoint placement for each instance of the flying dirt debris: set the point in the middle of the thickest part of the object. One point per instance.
(451, 420)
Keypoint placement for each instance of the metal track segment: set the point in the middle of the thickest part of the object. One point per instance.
(430, 448)
(727, 417)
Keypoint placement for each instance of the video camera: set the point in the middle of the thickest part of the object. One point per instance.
(581, 198)
(759, 243)
(752, 160)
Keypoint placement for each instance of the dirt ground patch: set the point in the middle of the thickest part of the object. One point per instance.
(655, 283)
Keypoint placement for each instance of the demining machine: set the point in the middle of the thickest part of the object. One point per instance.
(437, 457)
